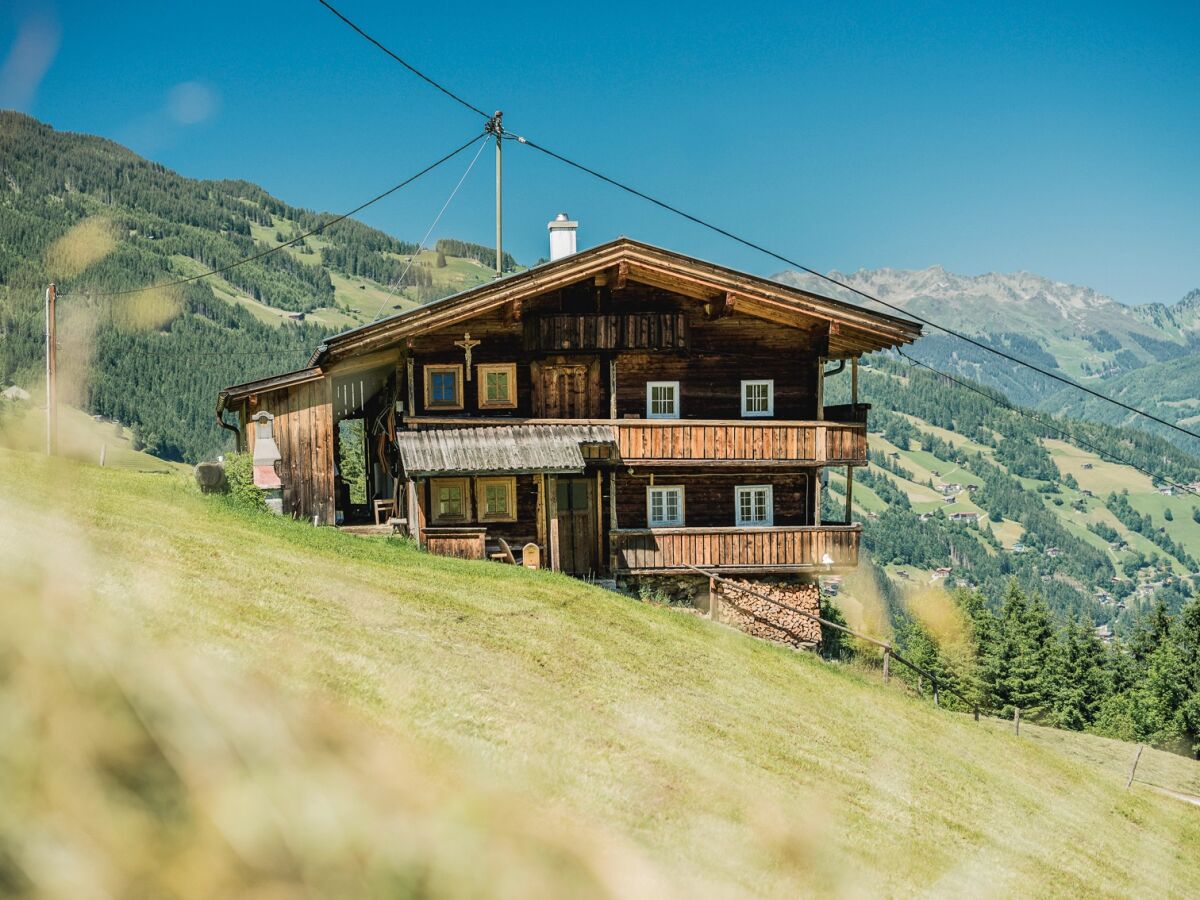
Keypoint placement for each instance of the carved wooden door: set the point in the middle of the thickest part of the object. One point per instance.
(567, 388)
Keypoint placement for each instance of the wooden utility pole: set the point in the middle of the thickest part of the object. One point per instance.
(497, 129)
(51, 372)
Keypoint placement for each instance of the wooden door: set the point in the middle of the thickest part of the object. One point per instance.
(566, 388)
(576, 525)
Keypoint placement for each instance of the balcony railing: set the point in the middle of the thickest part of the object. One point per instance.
(672, 440)
(723, 441)
(785, 549)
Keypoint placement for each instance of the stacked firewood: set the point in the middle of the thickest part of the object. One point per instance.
(762, 618)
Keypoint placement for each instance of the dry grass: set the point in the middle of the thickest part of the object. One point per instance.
(200, 702)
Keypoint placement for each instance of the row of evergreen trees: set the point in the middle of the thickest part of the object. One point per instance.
(1145, 688)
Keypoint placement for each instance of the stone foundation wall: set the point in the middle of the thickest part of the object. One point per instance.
(764, 619)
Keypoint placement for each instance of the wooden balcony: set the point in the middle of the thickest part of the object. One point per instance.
(786, 549)
(607, 331)
(770, 442)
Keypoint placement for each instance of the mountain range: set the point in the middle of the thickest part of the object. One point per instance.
(1144, 355)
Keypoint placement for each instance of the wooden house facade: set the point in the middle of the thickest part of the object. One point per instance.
(627, 410)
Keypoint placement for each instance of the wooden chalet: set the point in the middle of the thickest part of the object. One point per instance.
(629, 410)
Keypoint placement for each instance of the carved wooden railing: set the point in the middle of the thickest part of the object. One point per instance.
(795, 548)
(642, 440)
(607, 331)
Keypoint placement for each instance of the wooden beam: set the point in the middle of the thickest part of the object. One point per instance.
(599, 519)
(820, 388)
(854, 382)
(552, 521)
(849, 494)
(622, 277)
(540, 481)
(411, 409)
(612, 519)
(612, 388)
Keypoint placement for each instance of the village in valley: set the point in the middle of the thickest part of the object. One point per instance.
(553, 511)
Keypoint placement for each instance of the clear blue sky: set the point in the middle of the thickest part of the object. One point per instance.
(1061, 139)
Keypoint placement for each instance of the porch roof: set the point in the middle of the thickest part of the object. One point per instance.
(499, 450)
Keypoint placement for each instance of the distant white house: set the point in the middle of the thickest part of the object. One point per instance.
(965, 517)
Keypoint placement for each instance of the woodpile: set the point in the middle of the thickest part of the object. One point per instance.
(762, 618)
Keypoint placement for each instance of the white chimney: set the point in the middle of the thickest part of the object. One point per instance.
(562, 236)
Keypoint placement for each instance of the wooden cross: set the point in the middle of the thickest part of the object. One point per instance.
(467, 344)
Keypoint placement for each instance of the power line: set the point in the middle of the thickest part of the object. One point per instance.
(791, 262)
(445, 90)
(298, 239)
(400, 280)
(495, 128)
(996, 397)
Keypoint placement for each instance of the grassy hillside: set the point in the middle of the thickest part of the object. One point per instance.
(202, 701)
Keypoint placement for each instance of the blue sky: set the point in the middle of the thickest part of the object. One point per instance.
(1056, 138)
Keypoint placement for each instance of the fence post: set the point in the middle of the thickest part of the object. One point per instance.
(920, 685)
(887, 664)
(1137, 757)
(936, 701)
(977, 714)
(1017, 720)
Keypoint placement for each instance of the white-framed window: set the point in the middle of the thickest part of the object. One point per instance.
(758, 397)
(755, 505)
(662, 399)
(664, 506)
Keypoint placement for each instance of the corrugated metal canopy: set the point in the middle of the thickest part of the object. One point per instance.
(500, 450)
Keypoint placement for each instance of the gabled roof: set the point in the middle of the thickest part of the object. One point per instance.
(853, 330)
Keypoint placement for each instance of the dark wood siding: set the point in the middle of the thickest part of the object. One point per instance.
(709, 495)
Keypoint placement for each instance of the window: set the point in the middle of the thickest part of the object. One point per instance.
(755, 505)
(449, 499)
(662, 400)
(496, 499)
(443, 387)
(758, 398)
(664, 506)
(497, 386)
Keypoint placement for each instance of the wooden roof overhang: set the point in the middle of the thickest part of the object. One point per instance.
(239, 392)
(852, 329)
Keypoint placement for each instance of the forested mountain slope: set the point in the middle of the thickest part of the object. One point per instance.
(959, 480)
(96, 218)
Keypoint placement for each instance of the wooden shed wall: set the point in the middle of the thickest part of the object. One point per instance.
(304, 434)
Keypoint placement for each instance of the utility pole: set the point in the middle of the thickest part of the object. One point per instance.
(496, 127)
(51, 372)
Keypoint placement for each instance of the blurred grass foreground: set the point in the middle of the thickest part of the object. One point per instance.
(202, 701)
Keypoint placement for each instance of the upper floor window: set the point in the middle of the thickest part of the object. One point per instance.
(497, 386)
(662, 400)
(754, 505)
(443, 387)
(758, 398)
(664, 506)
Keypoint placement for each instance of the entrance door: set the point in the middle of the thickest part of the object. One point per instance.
(566, 388)
(576, 525)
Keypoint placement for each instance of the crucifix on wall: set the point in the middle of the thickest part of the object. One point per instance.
(468, 345)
